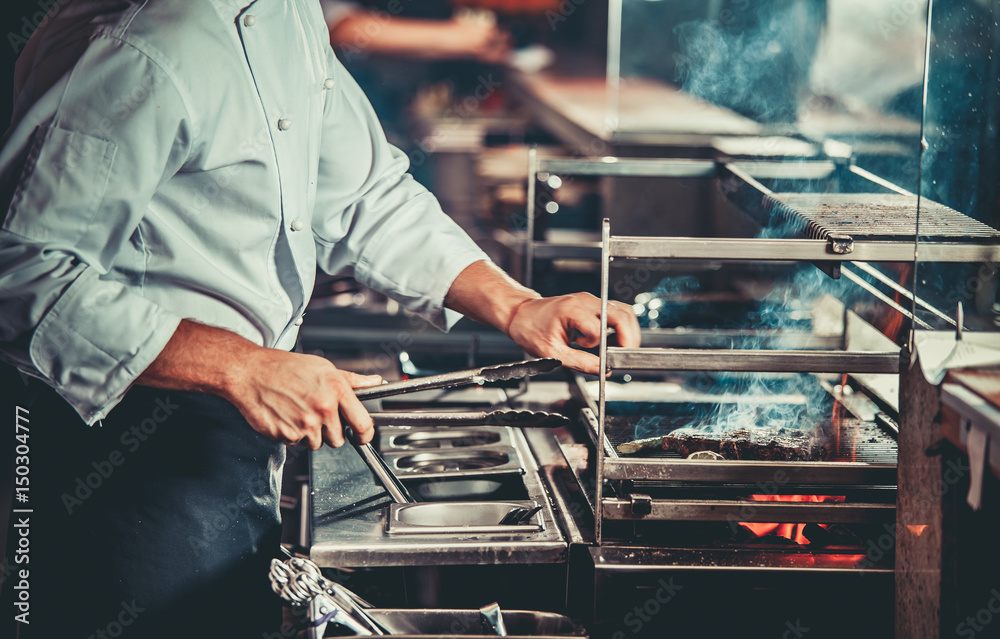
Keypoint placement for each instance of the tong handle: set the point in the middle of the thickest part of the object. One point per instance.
(382, 472)
(445, 380)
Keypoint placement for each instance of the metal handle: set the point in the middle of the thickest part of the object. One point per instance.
(382, 472)
(496, 373)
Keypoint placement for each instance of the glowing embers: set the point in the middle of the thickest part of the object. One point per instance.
(795, 532)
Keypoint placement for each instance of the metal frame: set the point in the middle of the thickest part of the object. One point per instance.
(611, 467)
(729, 249)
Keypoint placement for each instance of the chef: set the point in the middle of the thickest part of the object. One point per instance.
(174, 174)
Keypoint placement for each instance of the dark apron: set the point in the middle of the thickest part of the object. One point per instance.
(160, 522)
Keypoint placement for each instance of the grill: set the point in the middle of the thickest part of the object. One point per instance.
(857, 440)
(860, 466)
(889, 216)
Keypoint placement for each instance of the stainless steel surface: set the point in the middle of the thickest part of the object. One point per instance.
(480, 461)
(459, 519)
(427, 623)
(349, 516)
(516, 418)
(798, 170)
(500, 372)
(529, 214)
(859, 335)
(898, 288)
(684, 337)
(628, 167)
(725, 560)
(736, 510)
(882, 297)
(520, 515)
(676, 359)
(406, 438)
(604, 365)
(780, 250)
(731, 471)
(566, 250)
(873, 215)
(389, 481)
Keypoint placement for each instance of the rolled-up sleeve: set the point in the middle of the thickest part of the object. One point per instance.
(372, 219)
(93, 151)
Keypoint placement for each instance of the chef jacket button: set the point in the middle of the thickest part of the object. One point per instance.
(249, 20)
(297, 225)
(298, 321)
(284, 124)
(328, 84)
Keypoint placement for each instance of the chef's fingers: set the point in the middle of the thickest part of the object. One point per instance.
(312, 431)
(622, 318)
(357, 380)
(579, 360)
(333, 434)
(351, 408)
(588, 326)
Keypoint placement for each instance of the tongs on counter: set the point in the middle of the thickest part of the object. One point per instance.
(501, 372)
(300, 583)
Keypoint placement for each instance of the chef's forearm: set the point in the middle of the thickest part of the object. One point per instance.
(201, 358)
(486, 294)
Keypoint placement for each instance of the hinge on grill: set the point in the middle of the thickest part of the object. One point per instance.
(641, 504)
(841, 244)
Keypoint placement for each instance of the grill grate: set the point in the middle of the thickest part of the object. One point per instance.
(872, 217)
(860, 440)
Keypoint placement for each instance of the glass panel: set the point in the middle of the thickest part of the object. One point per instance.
(848, 71)
(960, 166)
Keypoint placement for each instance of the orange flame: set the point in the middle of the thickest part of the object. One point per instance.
(795, 532)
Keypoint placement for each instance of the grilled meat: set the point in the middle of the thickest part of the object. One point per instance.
(753, 444)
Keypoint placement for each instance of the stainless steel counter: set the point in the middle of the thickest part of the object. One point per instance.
(349, 510)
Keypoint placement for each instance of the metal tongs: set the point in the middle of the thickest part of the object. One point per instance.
(515, 418)
(388, 479)
(300, 582)
(498, 373)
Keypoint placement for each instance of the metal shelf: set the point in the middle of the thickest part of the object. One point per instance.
(760, 361)
(736, 510)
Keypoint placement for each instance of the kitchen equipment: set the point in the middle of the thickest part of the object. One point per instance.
(498, 373)
(516, 418)
(381, 470)
(464, 518)
(300, 583)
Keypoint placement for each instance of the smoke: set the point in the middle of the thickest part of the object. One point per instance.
(739, 400)
(756, 62)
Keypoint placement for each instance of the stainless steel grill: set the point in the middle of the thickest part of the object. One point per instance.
(854, 440)
(870, 216)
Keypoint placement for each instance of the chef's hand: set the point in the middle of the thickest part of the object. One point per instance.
(292, 398)
(288, 397)
(546, 327)
(543, 326)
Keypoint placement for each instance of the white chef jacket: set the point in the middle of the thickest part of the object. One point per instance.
(177, 159)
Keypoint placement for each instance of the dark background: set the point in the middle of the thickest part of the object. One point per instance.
(14, 13)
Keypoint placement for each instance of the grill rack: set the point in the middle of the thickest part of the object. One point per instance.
(643, 507)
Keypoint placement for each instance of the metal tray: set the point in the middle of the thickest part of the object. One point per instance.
(459, 518)
(406, 438)
(466, 623)
(458, 462)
